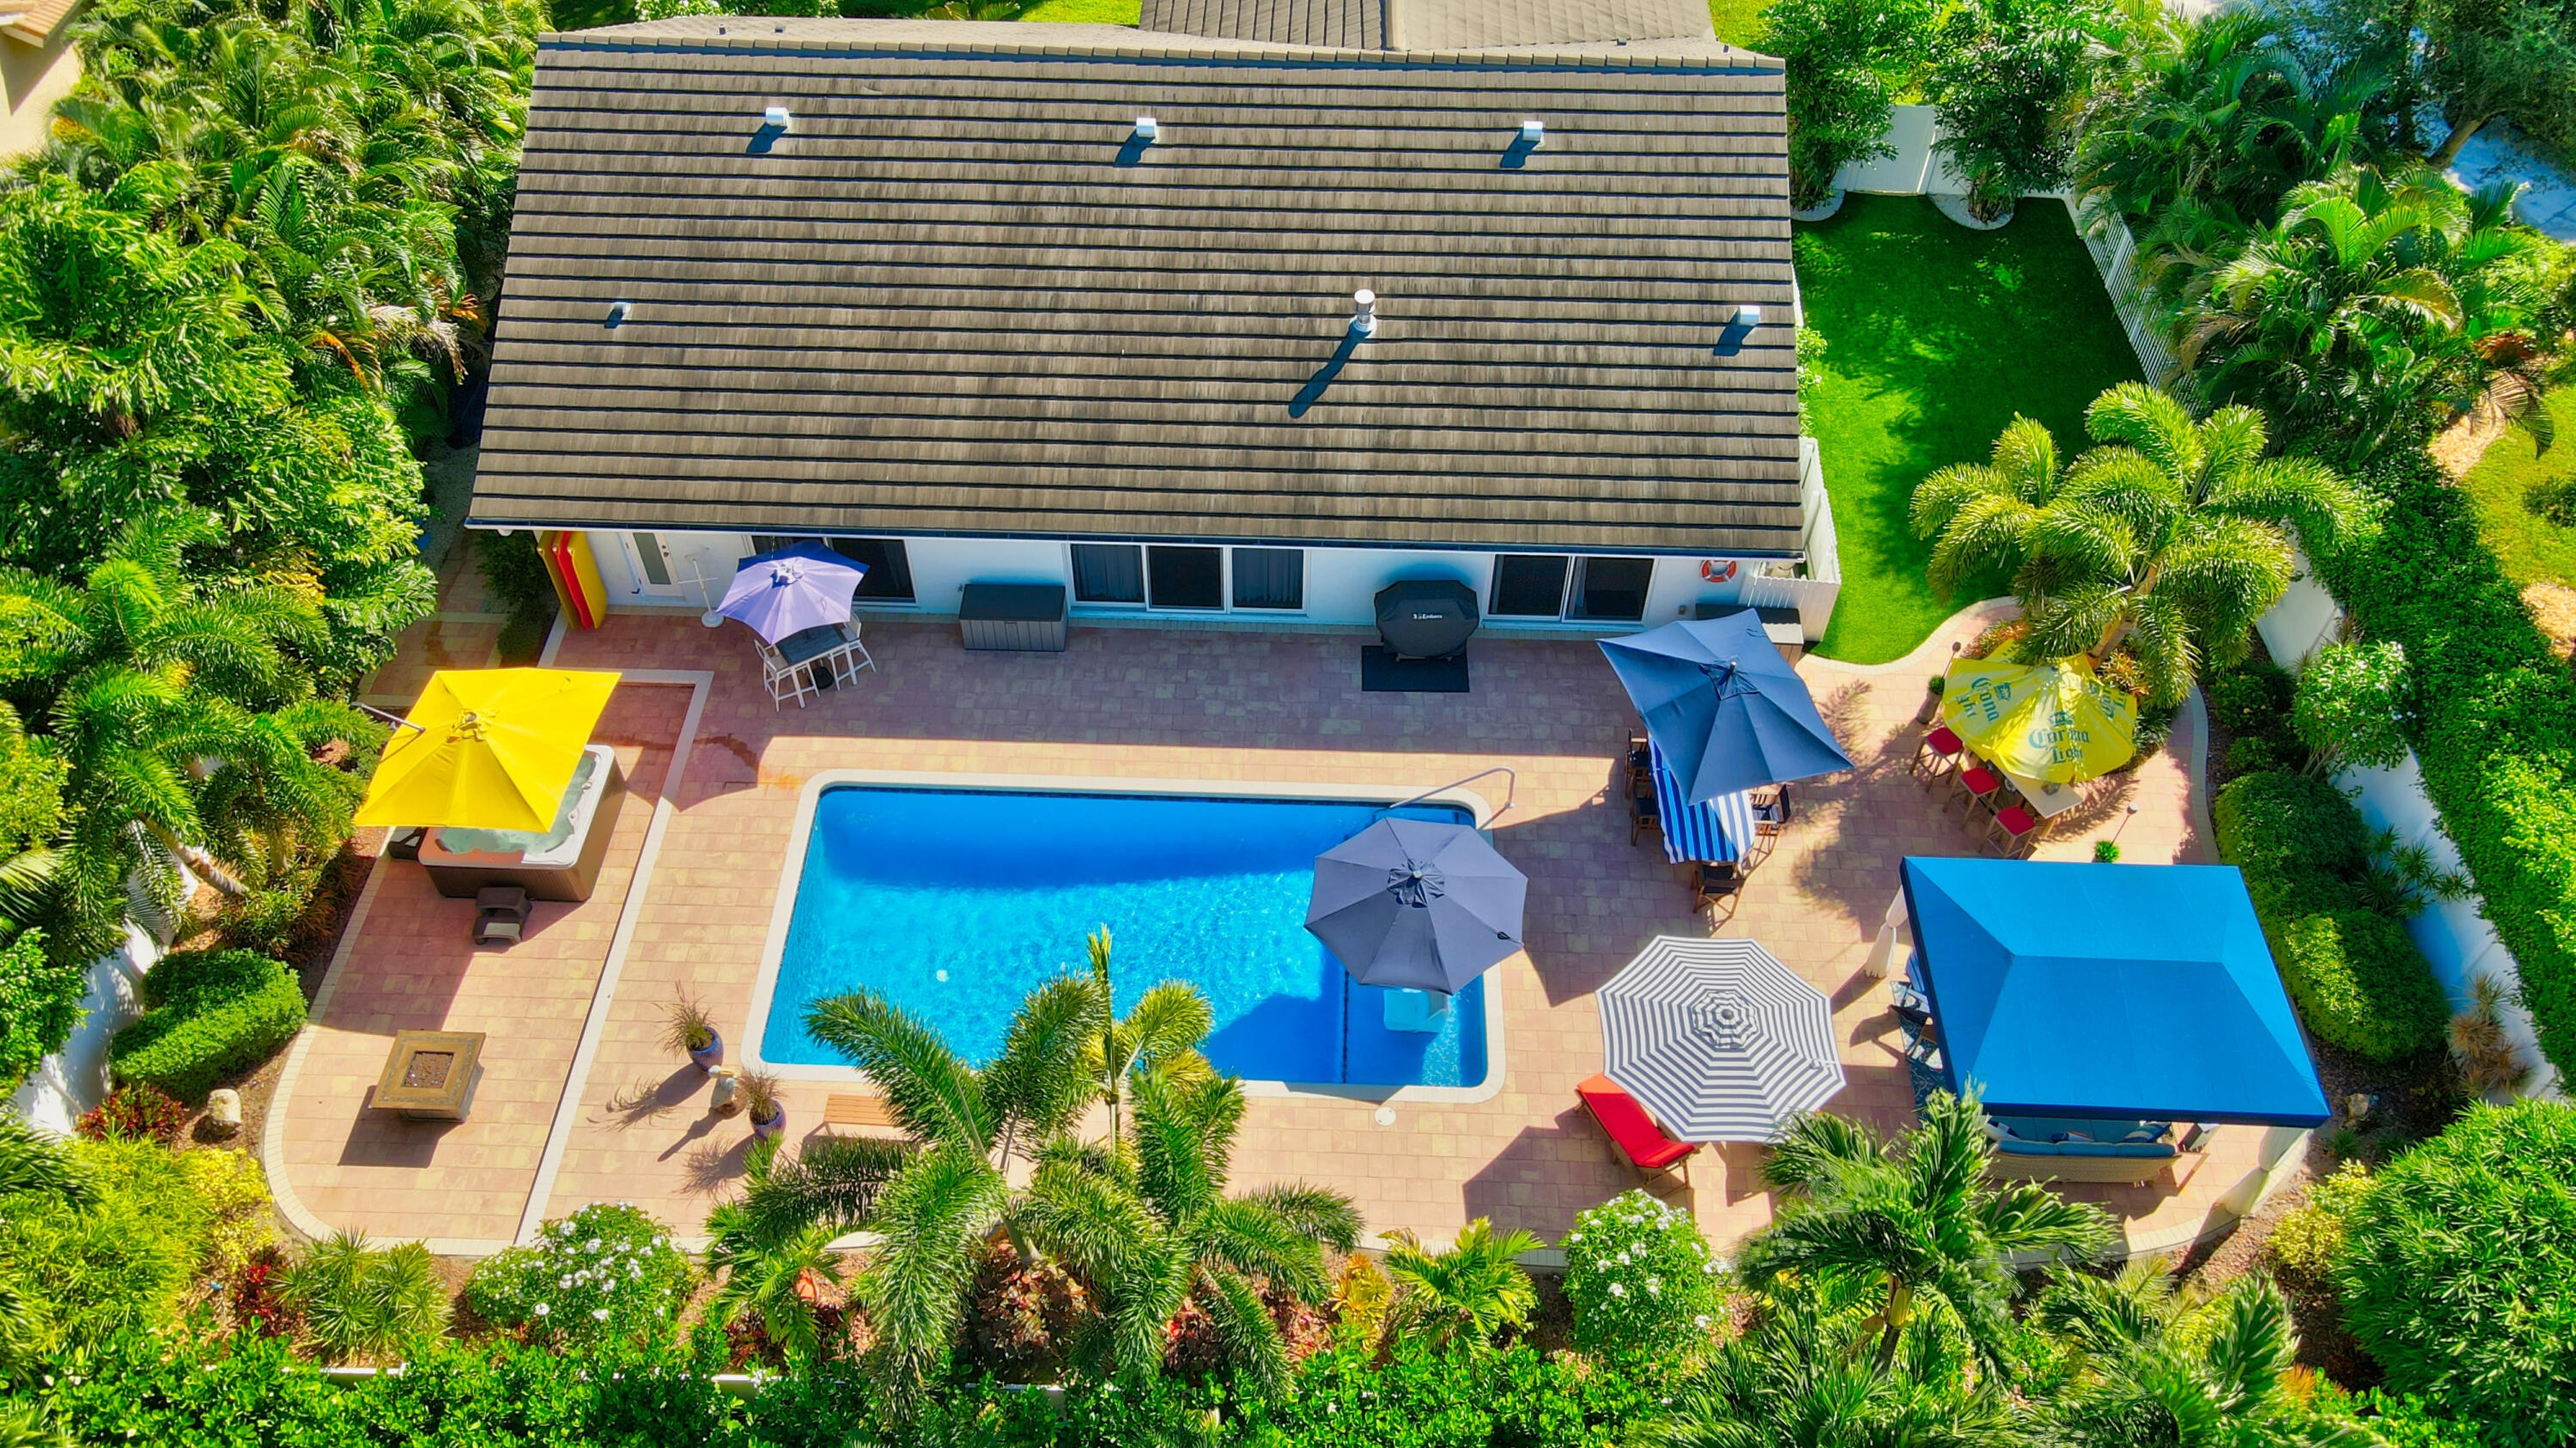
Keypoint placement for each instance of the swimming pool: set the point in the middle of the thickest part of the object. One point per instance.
(954, 903)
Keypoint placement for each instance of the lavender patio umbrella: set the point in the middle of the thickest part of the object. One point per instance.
(1416, 905)
(789, 590)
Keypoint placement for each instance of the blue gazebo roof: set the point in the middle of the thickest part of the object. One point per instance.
(2110, 992)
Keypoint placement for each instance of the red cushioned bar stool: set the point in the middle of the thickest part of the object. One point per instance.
(1938, 754)
(2018, 827)
(1977, 784)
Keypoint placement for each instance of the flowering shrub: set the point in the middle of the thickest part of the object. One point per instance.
(606, 1273)
(134, 1112)
(1642, 1281)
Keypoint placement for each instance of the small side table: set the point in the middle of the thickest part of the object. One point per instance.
(431, 1075)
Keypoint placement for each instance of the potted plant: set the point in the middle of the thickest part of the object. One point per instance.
(760, 1102)
(1931, 699)
(685, 1027)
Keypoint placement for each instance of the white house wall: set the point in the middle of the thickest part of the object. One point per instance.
(1341, 583)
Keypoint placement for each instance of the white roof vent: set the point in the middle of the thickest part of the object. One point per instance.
(1747, 315)
(1148, 130)
(1533, 134)
(775, 118)
(1364, 312)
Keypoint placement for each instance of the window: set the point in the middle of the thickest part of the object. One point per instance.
(1186, 577)
(1269, 578)
(648, 556)
(1108, 573)
(1611, 588)
(889, 564)
(1528, 585)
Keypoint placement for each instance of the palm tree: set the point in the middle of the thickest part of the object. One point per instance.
(948, 1198)
(1148, 1227)
(1162, 1032)
(1917, 1217)
(1799, 1380)
(37, 1167)
(773, 1278)
(2375, 310)
(163, 695)
(1474, 1290)
(2163, 544)
(2149, 1363)
(360, 1299)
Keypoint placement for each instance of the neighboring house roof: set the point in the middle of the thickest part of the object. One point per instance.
(1429, 24)
(35, 23)
(956, 297)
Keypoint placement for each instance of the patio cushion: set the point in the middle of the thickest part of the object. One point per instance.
(1630, 1128)
(2142, 1148)
(2015, 1146)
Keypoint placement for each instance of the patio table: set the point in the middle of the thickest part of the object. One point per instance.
(807, 645)
(2045, 800)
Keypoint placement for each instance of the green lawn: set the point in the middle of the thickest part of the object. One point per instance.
(1738, 22)
(1935, 336)
(2533, 549)
(1085, 12)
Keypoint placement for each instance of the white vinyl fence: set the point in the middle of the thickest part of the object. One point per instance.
(2453, 934)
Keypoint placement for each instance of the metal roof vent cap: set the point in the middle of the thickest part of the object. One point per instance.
(1748, 315)
(775, 118)
(1364, 312)
(1533, 134)
(1148, 130)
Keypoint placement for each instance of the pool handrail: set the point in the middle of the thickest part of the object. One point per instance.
(1511, 788)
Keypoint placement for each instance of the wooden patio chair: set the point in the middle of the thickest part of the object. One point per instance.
(1633, 1134)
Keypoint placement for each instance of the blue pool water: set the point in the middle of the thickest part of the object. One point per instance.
(954, 903)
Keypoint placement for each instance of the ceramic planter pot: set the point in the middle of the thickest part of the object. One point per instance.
(707, 1057)
(768, 1130)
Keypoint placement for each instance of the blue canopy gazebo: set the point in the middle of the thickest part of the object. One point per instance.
(2107, 992)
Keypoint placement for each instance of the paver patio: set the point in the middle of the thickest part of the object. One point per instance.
(1137, 702)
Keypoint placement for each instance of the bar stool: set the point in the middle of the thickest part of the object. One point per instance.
(1977, 784)
(2020, 825)
(1937, 754)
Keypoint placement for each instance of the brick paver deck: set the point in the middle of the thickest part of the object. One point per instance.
(1138, 702)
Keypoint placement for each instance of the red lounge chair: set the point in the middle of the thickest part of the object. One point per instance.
(1632, 1131)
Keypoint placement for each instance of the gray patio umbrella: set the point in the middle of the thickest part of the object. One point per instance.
(1718, 1039)
(1416, 905)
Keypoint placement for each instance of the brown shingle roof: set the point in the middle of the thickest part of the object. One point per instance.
(952, 298)
(1429, 24)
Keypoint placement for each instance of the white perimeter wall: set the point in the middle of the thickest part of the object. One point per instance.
(1915, 170)
(74, 1079)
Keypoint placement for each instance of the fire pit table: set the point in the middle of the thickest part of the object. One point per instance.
(431, 1075)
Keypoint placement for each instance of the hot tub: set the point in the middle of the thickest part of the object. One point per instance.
(561, 864)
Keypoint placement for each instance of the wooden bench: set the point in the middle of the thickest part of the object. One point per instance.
(867, 1112)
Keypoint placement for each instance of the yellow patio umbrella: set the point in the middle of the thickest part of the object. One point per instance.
(490, 749)
(2054, 723)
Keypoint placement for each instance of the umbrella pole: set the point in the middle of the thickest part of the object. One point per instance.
(395, 720)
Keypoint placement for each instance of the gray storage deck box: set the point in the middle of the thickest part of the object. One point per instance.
(1023, 616)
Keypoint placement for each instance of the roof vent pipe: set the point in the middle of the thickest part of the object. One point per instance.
(1533, 134)
(775, 118)
(1364, 312)
(1147, 130)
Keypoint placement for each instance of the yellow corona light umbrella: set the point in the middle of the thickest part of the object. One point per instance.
(490, 749)
(2054, 723)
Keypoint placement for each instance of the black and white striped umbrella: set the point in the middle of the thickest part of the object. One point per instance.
(1718, 1039)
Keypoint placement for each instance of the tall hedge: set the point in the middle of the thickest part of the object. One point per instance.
(2355, 975)
(2494, 724)
(211, 1013)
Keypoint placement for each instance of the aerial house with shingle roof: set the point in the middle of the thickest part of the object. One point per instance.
(1234, 325)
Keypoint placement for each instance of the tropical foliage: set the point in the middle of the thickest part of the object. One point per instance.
(1464, 1295)
(1916, 1221)
(1805, 1376)
(1846, 62)
(2152, 553)
(2007, 78)
(2375, 310)
(1642, 1280)
(607, 1273)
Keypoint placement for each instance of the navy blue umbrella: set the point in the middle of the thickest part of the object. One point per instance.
(1724, 706)
(1416, 905)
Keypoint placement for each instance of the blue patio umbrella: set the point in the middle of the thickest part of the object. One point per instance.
(1722, 704)
(1416, 905)
(2108, 992)
(789, 590)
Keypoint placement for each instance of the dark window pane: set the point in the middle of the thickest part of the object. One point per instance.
(1612, 588)
(1187, 577)
(889, 577)
(1108, 573)
(1269, 578)
(1528, 585)
(648, 552)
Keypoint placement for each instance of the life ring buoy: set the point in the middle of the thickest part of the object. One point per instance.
(1717, 570)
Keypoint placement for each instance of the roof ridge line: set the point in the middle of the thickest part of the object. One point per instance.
(1734, 61)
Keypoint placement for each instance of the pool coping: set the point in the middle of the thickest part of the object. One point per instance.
(783, 911)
